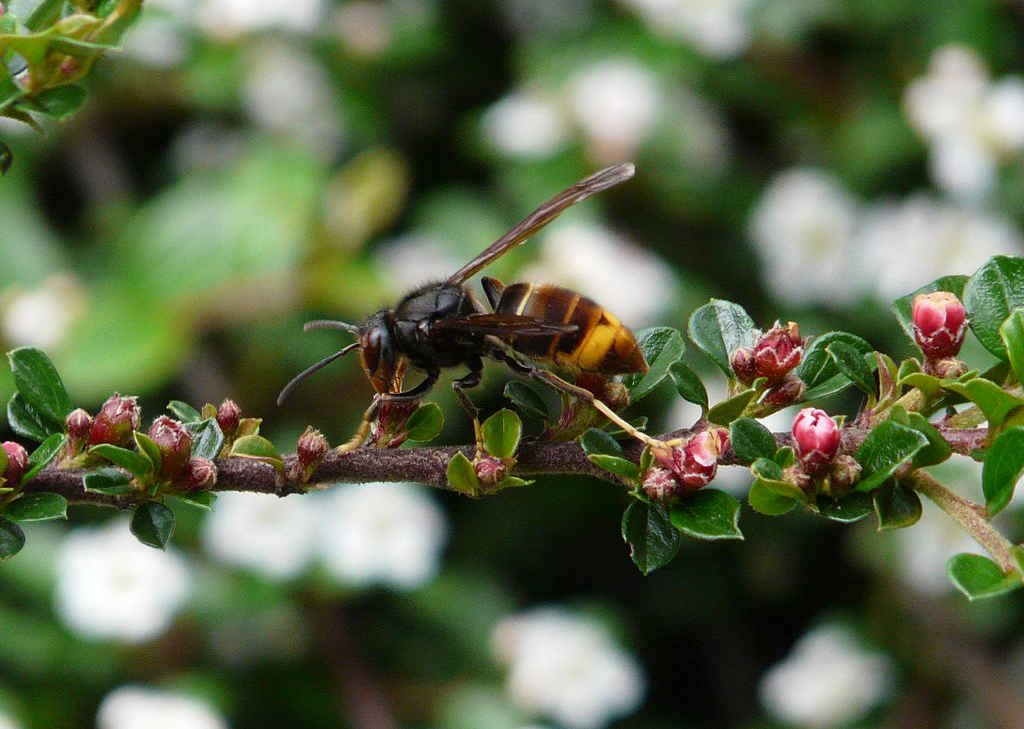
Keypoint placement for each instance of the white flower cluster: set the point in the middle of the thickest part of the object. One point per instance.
(567, 667)
(970, 122)
(817, 244)
(42, 316)
(719, 29)
(110, 586)
(230, 18)
(828, 680)
(366, 534)
(137, 707)
(7, 722)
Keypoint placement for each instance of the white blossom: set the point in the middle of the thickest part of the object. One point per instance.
(110, 586)
(720, 29)
(615, 102)
(230, 18)
(364, 27)
(526, 125)
(970, 123)
(567, 667)
(7, 722)
(156, 41)
(924, 549)
(802, 230)
(377, 533)
(137, 707)
(271, 536)
(633, 283)
(42, 316)
(828, 680)
(414, 259)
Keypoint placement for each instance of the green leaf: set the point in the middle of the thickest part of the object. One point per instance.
(978, 577)
(1012, 333)
(750, 440)
(258, 448)
(137, 463)
(152, 524)
(462, 475)
(852, 507)
(527, 399)
(207, 437)
(995, 290)
(1003, 465)
(59, 102)
(688, 384)
(512, 482)
(597, 442)
(45, 14)
(425, 423)
(619, 466)
(767, 502)
(927, 384)
(38, 507)
(43, 454)
(184, 412)
(829, 387)
(708, 514)
(12, 539)
(109, 481)
(38, 382)
(887, 447)
(723, 413)
(719, 328)
(25, 421)
(902, 306)
(502, 432)
(662, 347)
(818, 366)
(995, 402)
(198, 499)
(653, 541)
(937, 450)
(852, 365)
(896, 505)
(145, 446)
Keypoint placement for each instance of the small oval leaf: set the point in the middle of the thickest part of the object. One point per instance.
(153, 524)
(502, 432)
(708, 514)
(12, 539)
(719, 328)
(750, 440)
(995, 289)
(688, 384)
(528, 400)
(1002, 469)
(896, 506)
(425, 423)
(462, 476)
(598, 442)
(887, 447)
(38, 382)
(38, 507)
(662, 347)
(653, 541)
(766, 501)
(978, 577)
(619, 466)
(137, 463)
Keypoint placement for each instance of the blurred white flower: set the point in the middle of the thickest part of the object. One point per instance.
(378, 533)
(925, 548)
(42, 317)
(567, 667)
(802, 229)
(615, 102)
(228, 19)
(633, 283)
(526, 125)
(970, 123)
(287, 92)
(363, 27)
(829, 679)
(137, 707)
(414, 259)
(7, 722)
(157, 41)
(720, 29)
(205, 146)
(903, 245)
(271, 536)
(110, 586)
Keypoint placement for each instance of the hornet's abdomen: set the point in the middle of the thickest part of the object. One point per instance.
(600, 343)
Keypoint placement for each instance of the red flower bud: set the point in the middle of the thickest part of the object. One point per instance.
(78, 424)
(175, 444)
(940, 323)
(696, 463)
(790, 389)
(17, 463)
(778, 351)
(660, 484)
(815, 440)
(229, 415)
(491, 470)
(742, 362)
(200, 474)
(311, 448)
(116, 421)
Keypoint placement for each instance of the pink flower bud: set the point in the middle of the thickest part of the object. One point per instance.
(200, 475)
(940, 323)
(742, 362)
(229, 415)
(778, 351)
(660, 484)
(17, 463)
(116, 421)
(78, 424)
(491, 470)
(815, 439)
(700, 459)
(788, 390)
(175, 444)
(311, 448)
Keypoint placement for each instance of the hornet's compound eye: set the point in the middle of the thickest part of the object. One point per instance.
(369, 351)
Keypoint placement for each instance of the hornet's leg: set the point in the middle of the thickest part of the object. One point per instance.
(472, 379)
(413, 393)
(587, 396)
